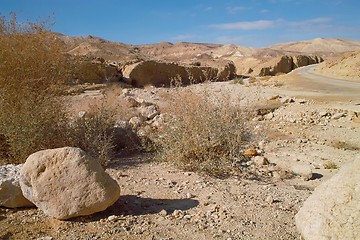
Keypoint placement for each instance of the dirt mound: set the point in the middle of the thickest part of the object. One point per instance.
(344, 67)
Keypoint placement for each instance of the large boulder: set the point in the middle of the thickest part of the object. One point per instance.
(285, 65)
(157, 73)
(11, 195)
(333, 210)
(300, 61)
(66, 182)
(154, 73)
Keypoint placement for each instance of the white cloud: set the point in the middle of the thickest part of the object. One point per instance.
(267, 24)
(309, 22)
(264, 11)
(208, 9)
(261, 24)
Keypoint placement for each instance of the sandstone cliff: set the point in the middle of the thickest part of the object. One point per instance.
(288, 63)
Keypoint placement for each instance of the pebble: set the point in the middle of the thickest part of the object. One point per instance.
(113, 218)
(269, 199)
(163, 213)
(189, 195)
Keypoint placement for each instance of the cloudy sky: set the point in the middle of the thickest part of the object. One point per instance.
(248, 23)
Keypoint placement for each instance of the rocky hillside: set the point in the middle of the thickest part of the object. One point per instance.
(346, 66)
(248, 61)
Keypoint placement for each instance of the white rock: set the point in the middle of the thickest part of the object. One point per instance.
(302, 169)
(11, 195)
(337, 116)
(66, 182)
(269, 116)
(260, 160)
(333, 210)
(149, 112)
(81, 114)
(135, 122)
(122, 124)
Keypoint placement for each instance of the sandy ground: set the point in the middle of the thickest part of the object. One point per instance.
(160, 202)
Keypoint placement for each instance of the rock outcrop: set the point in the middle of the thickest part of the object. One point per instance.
(66, 182)
(288, 63)
(94, 70)
(333, 210)
(11, 195)
(164, 73)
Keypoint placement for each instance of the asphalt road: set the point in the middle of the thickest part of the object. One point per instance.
(309, 83)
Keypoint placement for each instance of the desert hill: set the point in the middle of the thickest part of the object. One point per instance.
(247, 60)
(346, 66)
(324, 47)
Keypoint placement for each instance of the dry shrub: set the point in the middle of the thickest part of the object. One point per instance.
(330, 165)
(93, 133)
(205, 134)
(33, 117)
(31, 71)
(345, 145)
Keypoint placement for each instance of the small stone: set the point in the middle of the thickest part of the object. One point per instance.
(45, 238)
(337, 116)
(303, 170)
(260, 161)
(189, 195)
(163, 213)
(187, 216)
(274, 97)
(135, 122)
(81, 114)
(160, 219)
(276, 175)
(113, 218)
(269, 199)
(251, 153)
(269, 116)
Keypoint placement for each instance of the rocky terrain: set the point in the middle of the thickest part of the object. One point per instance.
(345, 66)
(248, 61)
(305, 133)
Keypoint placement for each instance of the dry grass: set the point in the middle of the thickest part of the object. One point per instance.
(345, 145)
(330, 165)
(205, 134)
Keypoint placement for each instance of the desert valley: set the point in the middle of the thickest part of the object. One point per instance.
(208, 141)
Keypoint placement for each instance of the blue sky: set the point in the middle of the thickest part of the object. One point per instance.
(247, 23)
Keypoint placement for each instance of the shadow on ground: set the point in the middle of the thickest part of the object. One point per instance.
(137, 206)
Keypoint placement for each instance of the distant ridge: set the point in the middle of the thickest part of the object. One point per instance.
(321, 46)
